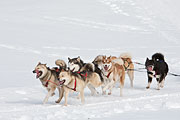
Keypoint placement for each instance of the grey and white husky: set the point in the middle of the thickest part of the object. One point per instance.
(49, 79)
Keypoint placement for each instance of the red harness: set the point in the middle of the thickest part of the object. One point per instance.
(46, 85)
(108, 74)
(75, 85)
(84, 75)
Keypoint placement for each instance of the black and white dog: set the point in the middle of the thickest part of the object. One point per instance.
(156, 68)
(77, 65)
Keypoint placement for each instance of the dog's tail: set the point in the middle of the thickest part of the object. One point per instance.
(61, 63)
(158, 57)
(126, 56)
(89, 67)
(118, 61)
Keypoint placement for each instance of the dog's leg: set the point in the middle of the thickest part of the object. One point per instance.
(103, 92)
(82, 96)
(78, 97)
(131, 76)
(108, 85)
(158, 86)
(66, 97)
(162, 83)
(110, 88)
(93, 90)
(50, 92)
(121, 90)
(159, 80)
(149, 82)
(106, 81)
(122, 78)
(61, 93)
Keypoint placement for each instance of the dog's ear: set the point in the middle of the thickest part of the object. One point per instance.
(104, 57)
(109, 57)
(147, 59)
(39, 63)
(78, 59)
(45, 64)
(69, 59)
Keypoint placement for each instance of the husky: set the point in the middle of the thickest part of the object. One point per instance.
(113, 69)
(49, 79)
(74, 82)
(76, 65)
(128, 65)
(156, 68)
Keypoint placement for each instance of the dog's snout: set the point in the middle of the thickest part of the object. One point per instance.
(34, 71)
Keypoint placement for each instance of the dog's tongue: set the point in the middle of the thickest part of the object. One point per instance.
(61, 82)
(106, 68)
(150, 69)
(37, 74)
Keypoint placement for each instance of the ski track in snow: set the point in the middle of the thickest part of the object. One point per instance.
(21, 49)
(96, 25)
(29, 103)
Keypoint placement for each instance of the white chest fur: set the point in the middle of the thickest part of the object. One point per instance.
(153, 75)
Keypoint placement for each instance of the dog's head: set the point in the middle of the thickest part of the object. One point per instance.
(98, 60)
(149, 65)
(65, 77)
(75, 64)
(40, 70)
(106, 63)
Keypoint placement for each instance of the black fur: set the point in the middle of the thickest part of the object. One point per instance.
(160, 67)
(55, 70)
(98, 71)
(158, 57)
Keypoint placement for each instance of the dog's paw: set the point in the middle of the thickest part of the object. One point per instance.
(161, 86)
(109, 93)
(157, 88)
(57, 101)
(147, 87)
(65, 105)
(52, 94)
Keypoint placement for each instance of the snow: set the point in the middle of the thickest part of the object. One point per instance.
(43, 30)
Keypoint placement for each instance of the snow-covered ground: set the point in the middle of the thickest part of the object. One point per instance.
(44, 30)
